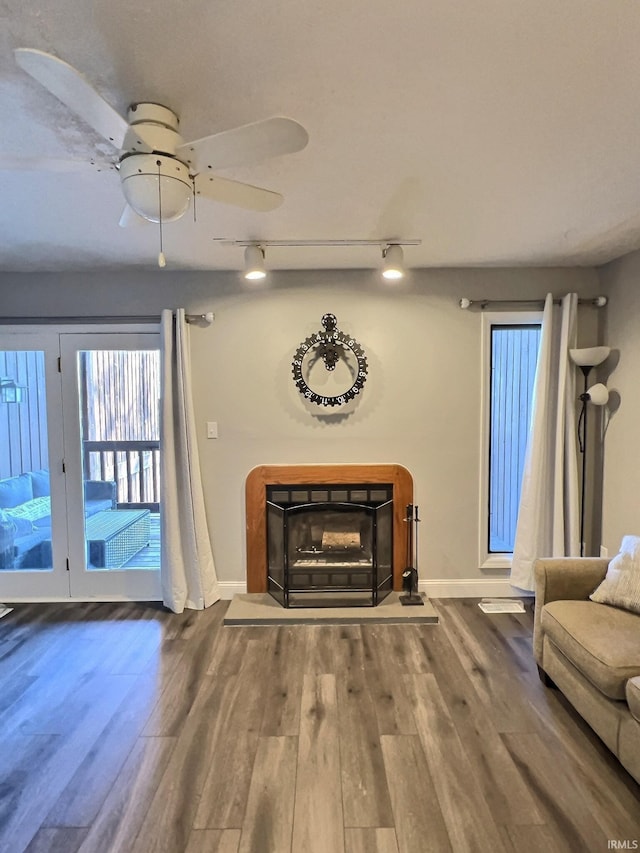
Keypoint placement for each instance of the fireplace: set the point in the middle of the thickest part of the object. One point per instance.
(262, 482)
(330, 545)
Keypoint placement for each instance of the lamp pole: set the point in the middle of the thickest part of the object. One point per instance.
(582, 436)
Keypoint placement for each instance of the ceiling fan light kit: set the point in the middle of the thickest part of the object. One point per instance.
(140, 175)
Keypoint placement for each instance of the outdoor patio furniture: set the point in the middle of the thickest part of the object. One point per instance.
(114, 536)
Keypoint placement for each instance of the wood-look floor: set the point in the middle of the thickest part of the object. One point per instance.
(128, 728)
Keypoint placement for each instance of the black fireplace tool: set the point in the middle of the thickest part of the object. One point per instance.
(410, 574)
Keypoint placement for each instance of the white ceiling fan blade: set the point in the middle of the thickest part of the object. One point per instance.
(130, 218)
(75, 91)
(10, 163)
(236, 193)
(244, 145)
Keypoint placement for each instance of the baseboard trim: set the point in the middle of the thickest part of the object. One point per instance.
(230, 588)
(469, 588)
(458, 588)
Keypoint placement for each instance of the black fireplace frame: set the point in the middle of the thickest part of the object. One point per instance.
(299, 583)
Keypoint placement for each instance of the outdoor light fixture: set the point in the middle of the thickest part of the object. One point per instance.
(586, 359)
(392, 262)
(10, 392)
(254, 263)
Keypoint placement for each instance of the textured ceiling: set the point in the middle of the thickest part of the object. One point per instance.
(502, 132)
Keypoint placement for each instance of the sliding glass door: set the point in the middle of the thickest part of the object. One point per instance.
(92, 400)
(111, 385)
(32, 484)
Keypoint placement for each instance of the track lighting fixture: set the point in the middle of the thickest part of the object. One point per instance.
(392, 252)
(392, 262)
(254, 263)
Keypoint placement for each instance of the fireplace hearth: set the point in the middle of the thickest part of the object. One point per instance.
(330, 545)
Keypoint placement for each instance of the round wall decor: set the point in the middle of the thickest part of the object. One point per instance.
(334, 349)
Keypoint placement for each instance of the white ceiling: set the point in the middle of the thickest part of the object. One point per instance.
(497, 132)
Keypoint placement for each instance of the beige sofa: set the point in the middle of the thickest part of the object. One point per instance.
(590, 651)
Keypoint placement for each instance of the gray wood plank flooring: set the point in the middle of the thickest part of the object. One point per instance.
(128, 729)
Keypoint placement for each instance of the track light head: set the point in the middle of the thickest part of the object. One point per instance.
(254, 263)
(392, 262)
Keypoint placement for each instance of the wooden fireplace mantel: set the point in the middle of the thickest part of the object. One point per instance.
(274, 475)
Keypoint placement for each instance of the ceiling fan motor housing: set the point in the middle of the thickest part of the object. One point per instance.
(152, 129)
(155, 185)
(145, 112)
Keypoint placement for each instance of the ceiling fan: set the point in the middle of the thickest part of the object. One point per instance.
(160, 173)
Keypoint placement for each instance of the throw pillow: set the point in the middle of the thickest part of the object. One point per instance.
(36, 511)
(15, 491)
(40, 483)
(621, 586)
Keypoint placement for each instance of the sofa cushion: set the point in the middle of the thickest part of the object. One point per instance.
(37, 511)
(40, 483)
(633, 697)
(621, 586)
(602, 642)
(15, 491)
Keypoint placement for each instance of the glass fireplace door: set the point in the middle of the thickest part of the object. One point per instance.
(276, 584)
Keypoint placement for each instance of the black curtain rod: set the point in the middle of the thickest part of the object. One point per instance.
(202, 319)
(595, 302)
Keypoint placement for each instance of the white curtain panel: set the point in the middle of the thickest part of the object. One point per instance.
(187, 568)
(548, 516)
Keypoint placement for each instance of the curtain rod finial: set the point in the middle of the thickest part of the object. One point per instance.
(201, 319)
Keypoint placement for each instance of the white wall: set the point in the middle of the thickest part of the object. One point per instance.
(420, 406)
(621, 503)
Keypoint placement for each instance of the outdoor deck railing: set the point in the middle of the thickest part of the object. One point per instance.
(133, 465)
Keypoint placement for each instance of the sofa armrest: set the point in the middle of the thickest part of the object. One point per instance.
(100, 490)
(563, 579)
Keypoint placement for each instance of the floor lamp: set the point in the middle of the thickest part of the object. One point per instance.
(586, 359)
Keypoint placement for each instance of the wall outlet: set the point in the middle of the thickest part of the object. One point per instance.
(212, 429)
(604, 552)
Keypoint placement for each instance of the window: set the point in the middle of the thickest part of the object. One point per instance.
(510, 353)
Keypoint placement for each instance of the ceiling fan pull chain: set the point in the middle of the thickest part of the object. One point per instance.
(162, 262)
(193, 187)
